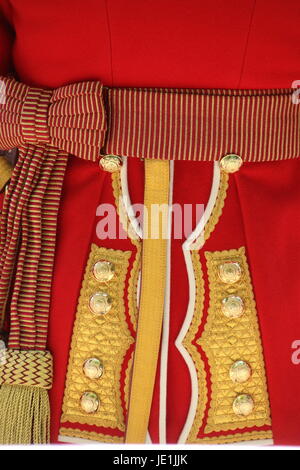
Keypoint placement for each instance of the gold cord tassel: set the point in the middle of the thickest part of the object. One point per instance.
(25, 378)
(24, 415)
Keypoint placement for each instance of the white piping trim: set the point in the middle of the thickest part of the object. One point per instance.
(127, 201)
(208, 210)
(186, 247)
(166, 325)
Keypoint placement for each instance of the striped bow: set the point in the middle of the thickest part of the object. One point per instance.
(46, 126)
(71, 118)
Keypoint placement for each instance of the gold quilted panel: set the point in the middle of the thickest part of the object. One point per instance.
(228, 340)
(104, 336)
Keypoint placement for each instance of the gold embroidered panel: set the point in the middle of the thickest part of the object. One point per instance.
(227, 340)
(230, 335)
(105, 336)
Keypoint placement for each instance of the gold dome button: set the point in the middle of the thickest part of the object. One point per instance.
(230, 272)
(231, 163)
(243, 405)
(240, 372)
(93, 368)
(111, 163)
(89, 402)
(232, 306)
(104, 271)
(100, 303)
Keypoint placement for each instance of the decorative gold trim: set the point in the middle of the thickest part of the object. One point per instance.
(135, 271)
(128, 380)
(219, 206)
(104, 336)
(216, 212)
(26, 368)
(117, 191)
(193, 350)
(91, 435)
(237, 437)
(226, 340)
(199, 305)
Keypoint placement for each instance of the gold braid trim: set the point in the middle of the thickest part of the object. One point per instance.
(135, 271)
(94, 436)
(5, 172)
(29, 368)
(216, 213)
(225, 341)
(193, 350)
(219, 206)
(106, 337)
(199, 306)
(237, 437)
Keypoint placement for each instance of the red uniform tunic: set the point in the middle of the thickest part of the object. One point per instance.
(236, 45)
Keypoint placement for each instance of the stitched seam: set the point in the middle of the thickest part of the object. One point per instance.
(110, 42)
(247, 44)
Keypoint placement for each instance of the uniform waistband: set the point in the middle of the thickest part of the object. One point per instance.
(202, 124)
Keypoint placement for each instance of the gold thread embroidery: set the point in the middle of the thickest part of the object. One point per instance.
(225, 341)
(237, 437)
(104, 336)
(219, 206)
(91, 435)
(128, 380)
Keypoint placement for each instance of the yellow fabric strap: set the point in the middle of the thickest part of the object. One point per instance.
(5, 172)
(154, 261)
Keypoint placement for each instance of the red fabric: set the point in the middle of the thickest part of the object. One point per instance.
(164, 43)
(232, 44)
(270, 200)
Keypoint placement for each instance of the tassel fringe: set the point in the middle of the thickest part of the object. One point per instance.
(24, 415)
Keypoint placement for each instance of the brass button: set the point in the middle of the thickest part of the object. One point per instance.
(240, 372)
(243, 405)
(104, 271)
(111, 163)
(230, 272)
(100, 303)
(89, 402)
(93, 368)
(231, 163)
(232, 306)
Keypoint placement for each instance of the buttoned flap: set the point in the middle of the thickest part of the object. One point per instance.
(97, 385)
(225, 343)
